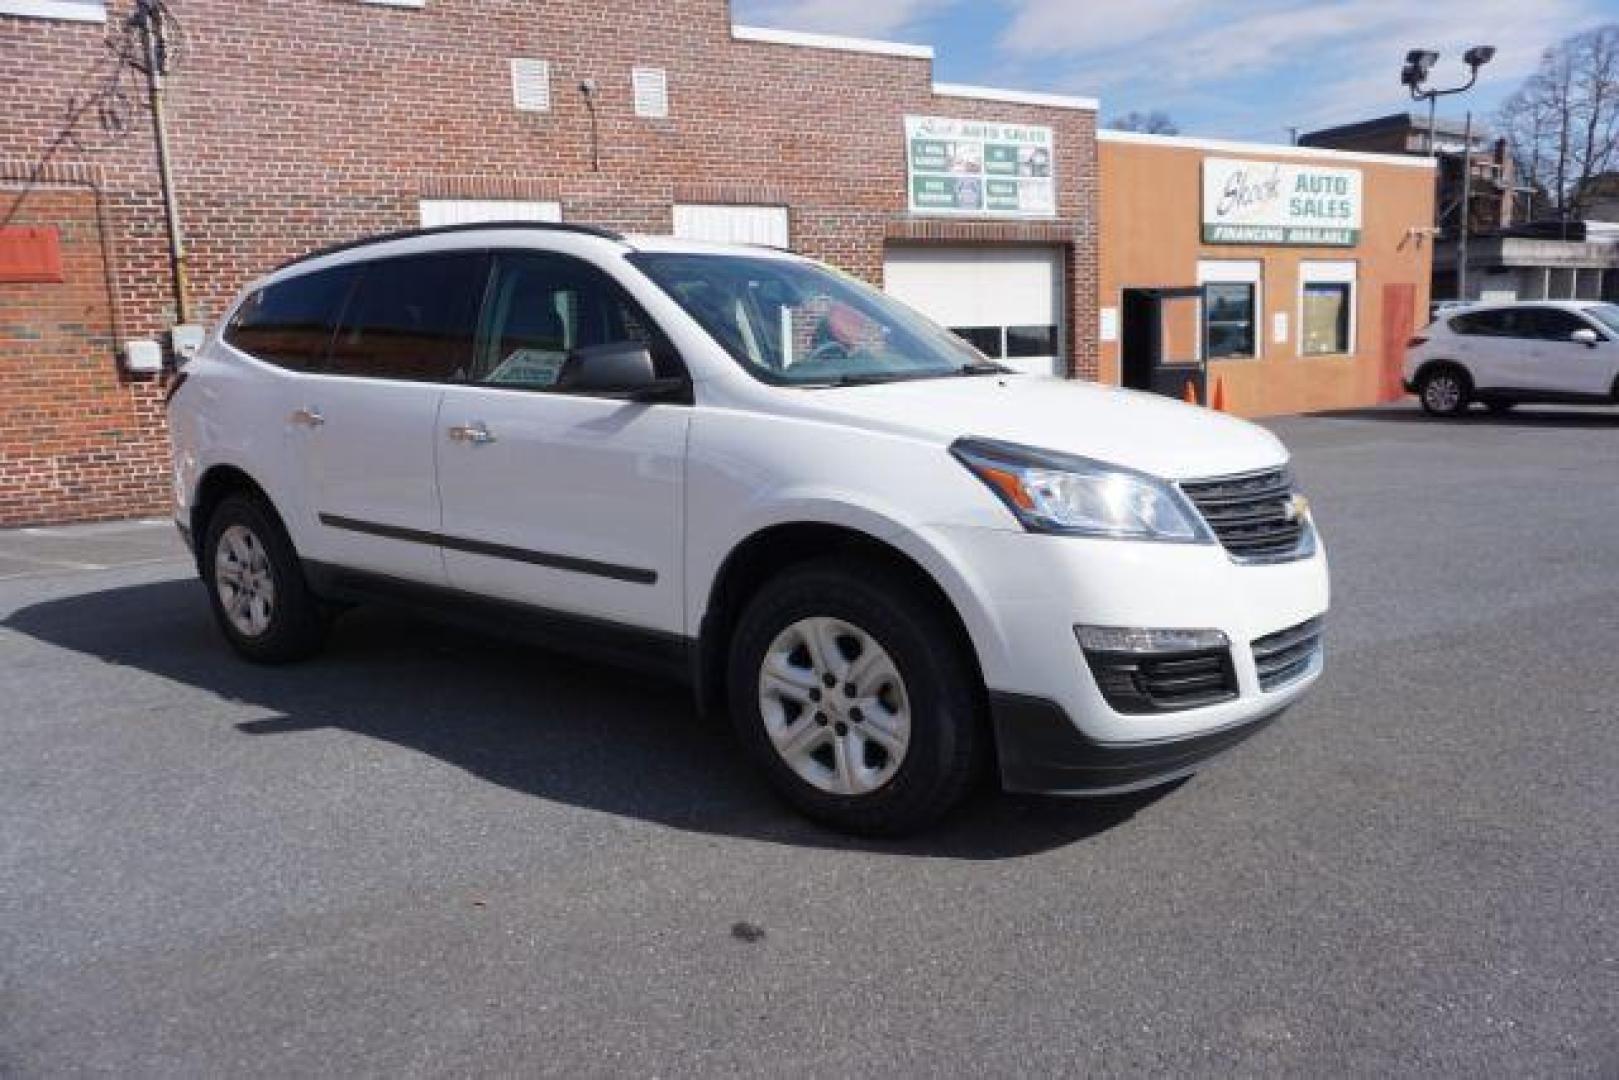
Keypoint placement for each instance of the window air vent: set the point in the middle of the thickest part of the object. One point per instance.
(651, 88)
(531, 85)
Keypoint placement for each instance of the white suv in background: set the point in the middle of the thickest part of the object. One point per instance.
(894, 563)
(1553, 352)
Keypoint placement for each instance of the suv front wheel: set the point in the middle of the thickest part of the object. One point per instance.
(1444, 390)
(854, 697)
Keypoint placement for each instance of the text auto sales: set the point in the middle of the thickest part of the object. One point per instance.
(1284, 205)
(1314, 195)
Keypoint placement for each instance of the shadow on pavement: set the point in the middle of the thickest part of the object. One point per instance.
(531, 721)
(1530, 416)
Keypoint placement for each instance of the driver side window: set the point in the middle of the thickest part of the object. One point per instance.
(543, 306)
(1550, 324)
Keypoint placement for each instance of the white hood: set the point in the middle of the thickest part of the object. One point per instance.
(1146, 432)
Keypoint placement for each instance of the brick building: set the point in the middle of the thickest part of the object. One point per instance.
(306, 122)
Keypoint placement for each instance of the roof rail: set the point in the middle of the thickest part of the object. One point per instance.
(436, 230)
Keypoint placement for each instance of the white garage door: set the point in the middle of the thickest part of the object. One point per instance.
(436, 212)
(1007, 301)
(732, 224)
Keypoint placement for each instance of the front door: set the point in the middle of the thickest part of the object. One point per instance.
(371, 412)
(1162, 342)
(1558, 363)
(563, 501)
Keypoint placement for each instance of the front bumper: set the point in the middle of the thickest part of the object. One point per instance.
(1041, 751)
(1055, 728)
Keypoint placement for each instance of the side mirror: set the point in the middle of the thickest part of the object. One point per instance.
(621, 369)
(1585, 336)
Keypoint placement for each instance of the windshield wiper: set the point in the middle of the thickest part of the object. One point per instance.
(868, 379)
(877, 378)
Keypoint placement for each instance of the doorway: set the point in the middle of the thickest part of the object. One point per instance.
(1163, 341)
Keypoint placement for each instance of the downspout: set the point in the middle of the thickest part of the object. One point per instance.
(147, 16)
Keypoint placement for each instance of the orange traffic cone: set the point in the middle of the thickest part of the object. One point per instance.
(1190, 396)
(1217, 403)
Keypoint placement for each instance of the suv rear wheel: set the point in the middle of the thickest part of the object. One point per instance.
(855, 699)
(1444, 390)
(256, 585)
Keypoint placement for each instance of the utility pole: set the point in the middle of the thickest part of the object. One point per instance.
(148, 20)
(1467, 207)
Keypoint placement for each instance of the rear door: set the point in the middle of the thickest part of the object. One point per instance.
(564, 501)
(1491, 345)
(370, 416)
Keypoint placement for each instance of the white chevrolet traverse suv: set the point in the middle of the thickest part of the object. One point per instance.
(895, 564)
(1503, 354)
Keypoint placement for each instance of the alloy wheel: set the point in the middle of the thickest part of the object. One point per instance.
(1443, 393)
(834, 706)
(243, 581)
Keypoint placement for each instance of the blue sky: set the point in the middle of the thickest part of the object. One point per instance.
(1244, 70)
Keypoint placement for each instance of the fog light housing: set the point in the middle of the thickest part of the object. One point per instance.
(1151, 670)
(1142, 639)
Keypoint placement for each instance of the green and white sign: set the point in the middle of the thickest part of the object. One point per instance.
(1267, 202)
(979, 168)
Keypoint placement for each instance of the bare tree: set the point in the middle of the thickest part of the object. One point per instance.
(1563, 122)
(1155, 122)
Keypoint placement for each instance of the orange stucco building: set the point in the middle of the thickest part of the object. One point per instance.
(1271, 279)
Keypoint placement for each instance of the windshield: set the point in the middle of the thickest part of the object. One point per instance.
(1606, 314)
(803, 324)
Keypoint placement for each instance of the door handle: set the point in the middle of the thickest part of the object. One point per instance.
(308, 417)
(476, 434)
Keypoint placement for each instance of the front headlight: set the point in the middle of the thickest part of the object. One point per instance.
(1061, 493)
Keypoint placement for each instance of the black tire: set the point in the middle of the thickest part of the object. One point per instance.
(296, 624)
(1444, 390)
(947, 741)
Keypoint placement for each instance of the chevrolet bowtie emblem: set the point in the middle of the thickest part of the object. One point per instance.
(1296, 508)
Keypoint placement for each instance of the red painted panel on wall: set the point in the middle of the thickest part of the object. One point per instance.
(30, 253)
(1399, 323)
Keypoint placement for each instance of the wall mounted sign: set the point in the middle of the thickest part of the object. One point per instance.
(1267, 202)
(30, 254)
(980, 168)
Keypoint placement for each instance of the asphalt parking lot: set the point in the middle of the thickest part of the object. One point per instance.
(428, 853)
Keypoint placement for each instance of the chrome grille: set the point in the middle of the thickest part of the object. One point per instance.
(1284, 656)
(1252, 514)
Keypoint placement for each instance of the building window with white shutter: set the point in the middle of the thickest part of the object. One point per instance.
(726, 224)
(1326, 308)
(649, 87)
(531, 85)
(92, 11)
(1232, 306)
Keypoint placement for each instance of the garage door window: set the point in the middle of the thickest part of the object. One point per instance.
(986, 339)
(1031, 341)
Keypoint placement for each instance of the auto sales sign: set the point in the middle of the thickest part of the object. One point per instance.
(1266, 202)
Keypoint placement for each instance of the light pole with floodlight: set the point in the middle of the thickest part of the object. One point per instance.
(1418, 65)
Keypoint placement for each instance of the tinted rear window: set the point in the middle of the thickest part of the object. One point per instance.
(291, 322)
(1484, 323)
(412, 318)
